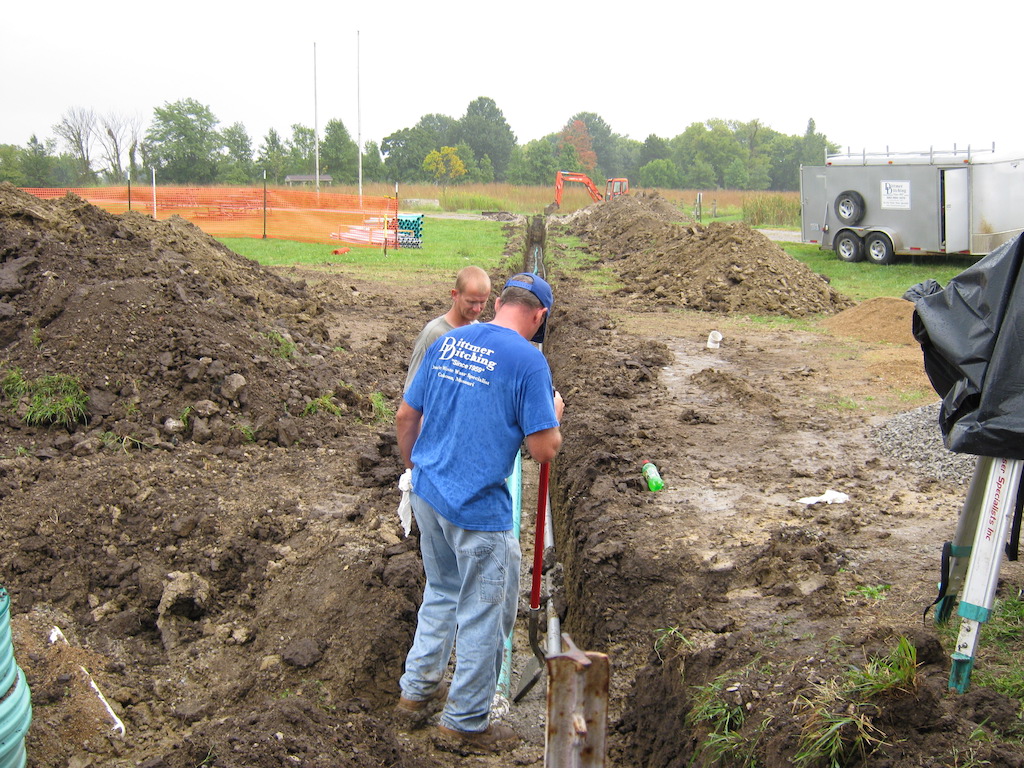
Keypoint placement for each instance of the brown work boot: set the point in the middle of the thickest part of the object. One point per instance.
(415, 714)
(497, 737)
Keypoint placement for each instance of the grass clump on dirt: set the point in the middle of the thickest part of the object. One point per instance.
(247, 432)
(720, 721)
(51, 399)
(123, 443)
(840, 712)
(870, 591)
(282, 347)
(383, 413)
(323, 403)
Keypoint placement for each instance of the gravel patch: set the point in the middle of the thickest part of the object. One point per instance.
(914, 440)
(781, 235)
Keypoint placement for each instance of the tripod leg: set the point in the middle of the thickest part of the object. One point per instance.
(983, 571)
(960, 549)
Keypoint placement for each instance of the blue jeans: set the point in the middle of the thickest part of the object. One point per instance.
(470, 601)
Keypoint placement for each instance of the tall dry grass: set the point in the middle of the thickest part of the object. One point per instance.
(772, 209)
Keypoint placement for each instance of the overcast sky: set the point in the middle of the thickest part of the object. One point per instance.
(871, 74)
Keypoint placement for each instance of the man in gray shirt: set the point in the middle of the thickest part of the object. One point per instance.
(469, 298)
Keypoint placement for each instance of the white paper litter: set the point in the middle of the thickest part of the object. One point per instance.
(829, 497)
(56, 636)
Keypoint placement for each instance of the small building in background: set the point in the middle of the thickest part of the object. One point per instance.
(310, 178)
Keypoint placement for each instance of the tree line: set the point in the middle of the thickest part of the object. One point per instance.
(185, 144)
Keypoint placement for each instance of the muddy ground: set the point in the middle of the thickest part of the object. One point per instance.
(216, 537)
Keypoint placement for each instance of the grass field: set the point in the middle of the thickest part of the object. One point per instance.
(450, 244)
(863, 280)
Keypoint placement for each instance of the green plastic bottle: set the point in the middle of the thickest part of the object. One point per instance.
(652, 476)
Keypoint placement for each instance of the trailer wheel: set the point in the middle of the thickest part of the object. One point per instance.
(848, 247)
(849, 207)
(878, 248)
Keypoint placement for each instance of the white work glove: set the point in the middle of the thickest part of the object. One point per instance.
(405, 505)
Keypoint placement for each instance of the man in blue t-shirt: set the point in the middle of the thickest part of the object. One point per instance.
(479, 391)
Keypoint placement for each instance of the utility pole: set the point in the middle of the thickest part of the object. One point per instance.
(359, 121)
(316, 128)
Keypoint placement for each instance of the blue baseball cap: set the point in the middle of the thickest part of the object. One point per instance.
(542, 291)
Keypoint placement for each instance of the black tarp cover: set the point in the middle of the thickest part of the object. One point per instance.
(972, 336)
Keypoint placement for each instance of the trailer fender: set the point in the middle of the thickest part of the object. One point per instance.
(898, 244)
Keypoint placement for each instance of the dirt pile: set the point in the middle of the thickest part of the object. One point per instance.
(228, 409)
(667, 261)
(171, 336)
(882, 319)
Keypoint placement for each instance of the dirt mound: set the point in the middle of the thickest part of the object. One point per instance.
(880, 319)
(171, 336)
(666, 261)
(227, 410)
(618, 213)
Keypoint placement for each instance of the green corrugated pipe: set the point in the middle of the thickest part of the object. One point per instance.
(15, 700)
(515, 487)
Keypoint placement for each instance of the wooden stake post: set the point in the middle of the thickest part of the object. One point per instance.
(577, 708)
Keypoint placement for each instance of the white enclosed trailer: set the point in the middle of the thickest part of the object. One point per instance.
(878, 206)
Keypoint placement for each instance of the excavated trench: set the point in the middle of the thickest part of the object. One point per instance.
(593, 590)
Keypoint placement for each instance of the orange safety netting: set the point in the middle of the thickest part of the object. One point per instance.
(287, 214)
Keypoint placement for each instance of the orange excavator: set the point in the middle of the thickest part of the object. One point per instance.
(613, 188)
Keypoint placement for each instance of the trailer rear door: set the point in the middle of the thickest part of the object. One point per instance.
(814, 208)
(956, 215)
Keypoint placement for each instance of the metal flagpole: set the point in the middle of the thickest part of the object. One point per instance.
(316, 128)
(359, 122)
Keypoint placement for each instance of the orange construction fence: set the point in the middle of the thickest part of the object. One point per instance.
(287, 214)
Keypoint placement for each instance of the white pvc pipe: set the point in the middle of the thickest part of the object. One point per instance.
(554, 639)
(118, 727)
